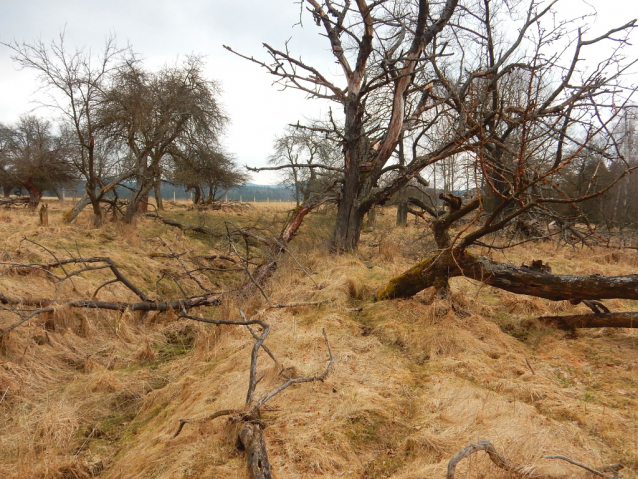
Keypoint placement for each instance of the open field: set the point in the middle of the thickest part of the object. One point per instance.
(92, 393)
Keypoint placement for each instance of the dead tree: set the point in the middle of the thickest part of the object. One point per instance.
(250, 434)
(523, 152)
(80, 79)
(438, 83)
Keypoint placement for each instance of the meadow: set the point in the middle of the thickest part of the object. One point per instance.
(97, 393)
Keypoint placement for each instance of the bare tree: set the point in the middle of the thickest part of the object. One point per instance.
(34, 158)
(201, 168)
(526, 154)
(450, 78)
(75, 80)
(150, 112)
(309, 159)
(380, 48)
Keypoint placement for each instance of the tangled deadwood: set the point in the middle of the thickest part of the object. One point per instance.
(533, 280)
(19, 201)
(523, 472)
(250, 434)
(65, 270)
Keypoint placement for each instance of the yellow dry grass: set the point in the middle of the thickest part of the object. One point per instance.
(414, 381)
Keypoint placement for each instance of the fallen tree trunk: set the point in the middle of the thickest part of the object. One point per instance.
(185, 227)
(8, 202)
(252, 438)
(602, 320)
(212, 299)
(516, 279)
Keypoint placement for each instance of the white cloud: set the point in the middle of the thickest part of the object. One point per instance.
(163, 30)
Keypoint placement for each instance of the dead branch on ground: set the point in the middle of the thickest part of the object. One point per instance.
(184, 227)
(19, 201)
(59, 271)
(602, 320)
(250, 433)
(527, 472)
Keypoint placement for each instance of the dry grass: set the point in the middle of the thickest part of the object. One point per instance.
(415, 380)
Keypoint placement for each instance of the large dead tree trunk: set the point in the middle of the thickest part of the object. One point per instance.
(252, 438)
(432, 271)
(600, 320)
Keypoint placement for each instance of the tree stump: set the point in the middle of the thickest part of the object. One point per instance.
(44, 215)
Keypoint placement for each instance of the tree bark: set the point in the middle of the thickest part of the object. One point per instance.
(347, 229)
(97, 212)
(197, 198)
(70, 215)
(252, 438)
(35, 195)
(516, 279)
(159, 202)
(138, 203)
(602, 320)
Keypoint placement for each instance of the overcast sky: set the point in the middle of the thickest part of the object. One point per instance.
(163, 30)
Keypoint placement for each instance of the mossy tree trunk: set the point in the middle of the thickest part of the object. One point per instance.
(516, 279)
(452, 260)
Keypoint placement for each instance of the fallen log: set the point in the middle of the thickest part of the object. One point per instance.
(9, 202)
(602, 320)
(437, 269)
(252, 439)
(46, 305)
(211, 299)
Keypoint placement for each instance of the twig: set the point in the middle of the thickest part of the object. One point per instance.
(530, 366)
(25, 319)
(179, 260)
(285, 248)
(576, 463)
(292, 381)
(263, 346)
(299, 303)
(196, 229)
(183, 422)
(252, 279)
